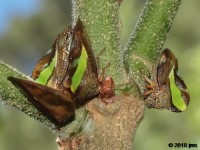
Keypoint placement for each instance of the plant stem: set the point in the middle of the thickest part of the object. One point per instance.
(101, 20)
(148, 37)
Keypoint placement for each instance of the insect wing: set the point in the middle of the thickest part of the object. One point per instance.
(165, 67)
(88, 86)
(83, 36)
(179, 92)
(43, 63)
(56, 106)
(51, 68)
(168, 78)
(62, 46)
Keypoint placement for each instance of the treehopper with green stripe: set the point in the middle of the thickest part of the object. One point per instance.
(65, 78)
(166, 89)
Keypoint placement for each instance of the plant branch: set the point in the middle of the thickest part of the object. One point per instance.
(101, 20)
(148, 37)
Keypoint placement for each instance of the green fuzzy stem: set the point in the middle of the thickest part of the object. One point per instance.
(145, 45)
(101, 20)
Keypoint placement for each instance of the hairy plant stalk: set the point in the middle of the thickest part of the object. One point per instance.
(148, 37)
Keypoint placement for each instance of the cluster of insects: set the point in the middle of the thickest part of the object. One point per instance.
(67, 77)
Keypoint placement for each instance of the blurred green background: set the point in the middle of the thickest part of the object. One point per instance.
(29, 28)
